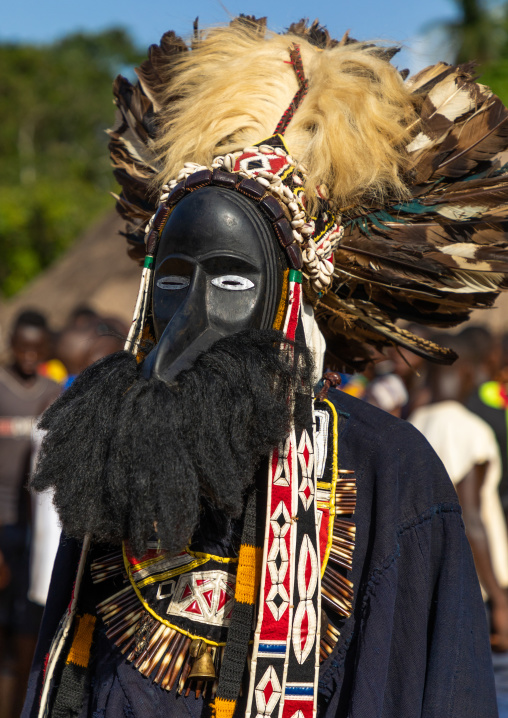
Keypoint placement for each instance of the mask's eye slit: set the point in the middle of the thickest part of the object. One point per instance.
(173, 282)
(232, 283)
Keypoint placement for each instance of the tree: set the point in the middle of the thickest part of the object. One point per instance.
(480, 34)
(55, 105)
(477, 34)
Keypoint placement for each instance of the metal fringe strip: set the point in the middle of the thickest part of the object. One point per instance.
(337, 590)
(153, 648)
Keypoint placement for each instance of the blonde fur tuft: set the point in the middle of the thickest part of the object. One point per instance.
(231, 89)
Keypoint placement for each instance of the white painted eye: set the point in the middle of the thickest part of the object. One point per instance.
(232, 282)
(173, 282)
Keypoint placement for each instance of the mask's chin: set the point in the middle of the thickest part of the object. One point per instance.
(176, 351)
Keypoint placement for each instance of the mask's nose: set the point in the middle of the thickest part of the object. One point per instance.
(187, 335)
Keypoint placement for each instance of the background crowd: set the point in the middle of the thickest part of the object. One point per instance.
(40, 365)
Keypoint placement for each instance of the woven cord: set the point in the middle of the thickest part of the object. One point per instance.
(296, 61)
(240, 628)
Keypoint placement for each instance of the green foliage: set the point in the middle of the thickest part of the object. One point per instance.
(480, 34)
(495, 75)
(55, 105)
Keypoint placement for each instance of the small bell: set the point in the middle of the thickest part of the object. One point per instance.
(203, 667)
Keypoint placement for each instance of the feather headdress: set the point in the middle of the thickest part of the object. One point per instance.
(412, 170)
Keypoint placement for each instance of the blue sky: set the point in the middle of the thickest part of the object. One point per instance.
(404, 21)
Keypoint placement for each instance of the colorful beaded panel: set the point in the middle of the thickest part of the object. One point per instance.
(156, 607)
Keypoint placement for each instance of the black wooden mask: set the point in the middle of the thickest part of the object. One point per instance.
(218, 271)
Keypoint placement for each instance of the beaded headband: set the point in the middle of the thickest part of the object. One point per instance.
(267, 174)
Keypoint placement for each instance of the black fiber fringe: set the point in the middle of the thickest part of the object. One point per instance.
(133, 453)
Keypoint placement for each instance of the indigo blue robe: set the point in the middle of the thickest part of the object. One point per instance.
(416, 645)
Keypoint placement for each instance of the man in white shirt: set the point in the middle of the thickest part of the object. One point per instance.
(467, 446)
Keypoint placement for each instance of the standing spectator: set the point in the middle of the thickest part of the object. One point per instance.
(483, 351)
(487, 396)
(82, 317)
(412, 369)
(79, 345)
(387, 392)
(72, 348)
(24, 395)
(467, 446)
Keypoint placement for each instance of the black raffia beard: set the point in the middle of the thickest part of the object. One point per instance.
(124, 454)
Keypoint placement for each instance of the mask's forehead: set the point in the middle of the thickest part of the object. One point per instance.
(214, 221)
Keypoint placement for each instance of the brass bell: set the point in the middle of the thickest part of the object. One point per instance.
(202, 668)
